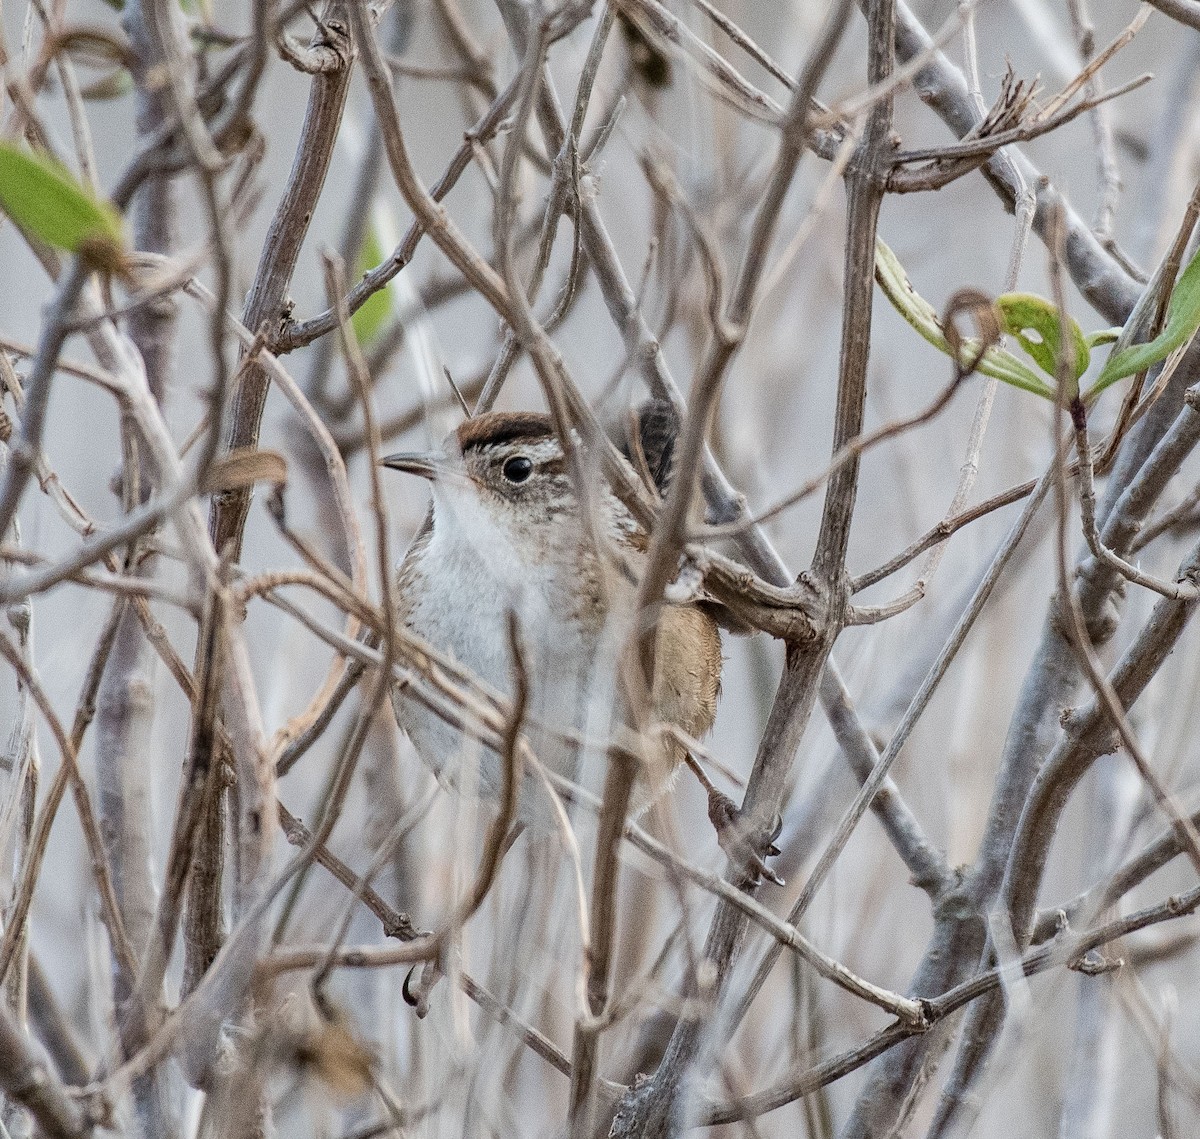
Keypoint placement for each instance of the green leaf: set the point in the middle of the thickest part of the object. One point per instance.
(996, 362)
(1102, 336)
(114, 85)
(1183, 318)
(370, 318)
(1033, 320)
(48, 203)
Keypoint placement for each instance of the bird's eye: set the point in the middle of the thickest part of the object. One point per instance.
(517, 469)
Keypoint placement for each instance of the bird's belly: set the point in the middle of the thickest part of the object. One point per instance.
(560, 670)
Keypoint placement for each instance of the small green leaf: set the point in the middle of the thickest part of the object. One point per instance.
(996, 362)
(373, 314)
(48, 203)
(1033, 320)
(114, 85)
(1183, 318)
(1102, 336)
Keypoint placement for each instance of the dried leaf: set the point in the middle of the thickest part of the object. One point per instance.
(243, 468)
(93, 45)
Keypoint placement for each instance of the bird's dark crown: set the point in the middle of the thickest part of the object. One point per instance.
(496, 427)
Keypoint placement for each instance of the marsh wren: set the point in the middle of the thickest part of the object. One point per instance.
(507, 533)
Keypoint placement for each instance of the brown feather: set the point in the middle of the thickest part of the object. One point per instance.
(495, 427)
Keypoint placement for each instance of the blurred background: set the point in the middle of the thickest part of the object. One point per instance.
(772, 433)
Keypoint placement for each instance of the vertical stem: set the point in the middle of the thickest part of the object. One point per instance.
(125, 704)
(152, 324)
(266, 303)
(865, 189)
(653, 1110)
(23, 763)
(125, 713)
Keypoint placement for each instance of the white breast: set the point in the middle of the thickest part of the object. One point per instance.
(479, 580)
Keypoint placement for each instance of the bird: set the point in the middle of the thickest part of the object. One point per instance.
(508, 534)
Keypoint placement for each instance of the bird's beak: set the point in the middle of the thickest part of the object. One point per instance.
(428, 464)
